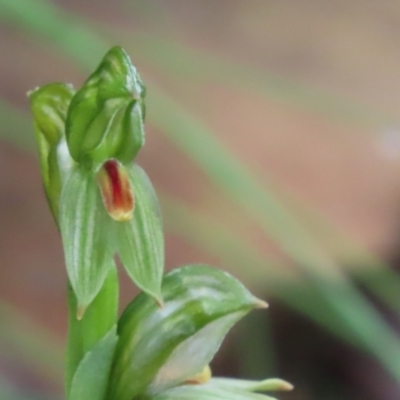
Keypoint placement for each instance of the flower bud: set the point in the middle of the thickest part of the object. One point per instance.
(105, 118)
(116, 190)
(49, 106)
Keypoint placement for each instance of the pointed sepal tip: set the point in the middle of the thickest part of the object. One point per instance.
(260, 303)
(80, 312)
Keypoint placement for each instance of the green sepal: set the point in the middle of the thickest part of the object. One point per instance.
(140, 241)
(208, 392)
(85, 230)
(191, 356)
(91, 378)
(266, 385)
(99, 318)
(105, 118)
(49, 105)
(201, 303)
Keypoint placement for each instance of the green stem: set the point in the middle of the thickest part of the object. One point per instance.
(100, 317)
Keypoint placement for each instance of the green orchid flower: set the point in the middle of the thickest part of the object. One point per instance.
(103, 202)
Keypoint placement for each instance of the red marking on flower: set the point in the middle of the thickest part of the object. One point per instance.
(116, 190)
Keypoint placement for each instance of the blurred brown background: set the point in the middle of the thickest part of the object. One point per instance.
(311, 108)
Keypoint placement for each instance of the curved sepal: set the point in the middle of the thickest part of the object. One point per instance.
(91, 377)
(105, 118)
(140, 240)
(266, 385)
(208, 392)
(85, 230)
(162, 347)
(49, 105)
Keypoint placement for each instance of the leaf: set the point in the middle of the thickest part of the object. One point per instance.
(190, 356)
(140, 241)
(105, 116)
(267, 385)
(91, 378)
(49, 105)
(201, 303)
(99, 318)
(208, 392)
(85, 231)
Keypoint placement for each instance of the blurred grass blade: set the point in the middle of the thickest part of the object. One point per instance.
(368, 269)
(179, 60)
(74, 37)
(15, 128)
(240, 186)
(9, 392)
(45, 19)
(36, 346)
(232, 251)
(263, 274)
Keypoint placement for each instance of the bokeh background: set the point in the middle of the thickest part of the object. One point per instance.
(273, 142)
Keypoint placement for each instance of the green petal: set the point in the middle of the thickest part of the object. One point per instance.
(140, 241)
(91, 378)
(201, 303)
(207, 392)
(85, 230)
(49, 106)
(105, 118)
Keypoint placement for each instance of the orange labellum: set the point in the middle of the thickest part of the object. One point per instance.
(116, 190)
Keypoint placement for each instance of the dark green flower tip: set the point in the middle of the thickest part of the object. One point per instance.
(105, 118)
(49, 105)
